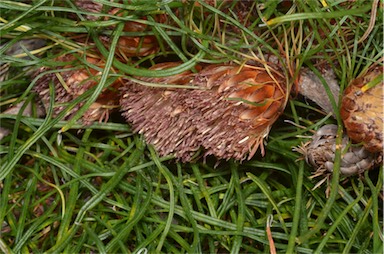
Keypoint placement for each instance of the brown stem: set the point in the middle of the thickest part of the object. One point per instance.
(312, 88)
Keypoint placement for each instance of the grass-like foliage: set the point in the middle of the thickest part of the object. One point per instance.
(70, 188)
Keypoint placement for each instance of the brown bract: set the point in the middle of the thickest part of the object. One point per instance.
(128, 45)
(362, 111)
(229, 113)
(75, 79)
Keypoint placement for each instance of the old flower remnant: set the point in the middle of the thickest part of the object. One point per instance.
(73, 80)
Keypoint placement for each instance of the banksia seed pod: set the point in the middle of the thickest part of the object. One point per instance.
(127, 46)
(320, 153)
(228, 114)
(362, 111)
(70, 84)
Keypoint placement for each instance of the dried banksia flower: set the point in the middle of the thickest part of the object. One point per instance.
(320, 153)
(229, 113)
(362, 110)
(127, 46)
(73, 82)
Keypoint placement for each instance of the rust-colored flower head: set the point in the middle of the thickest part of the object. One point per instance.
(127, 46)
(229, 113)
(320, 153)
(73, 82)
(362, 110)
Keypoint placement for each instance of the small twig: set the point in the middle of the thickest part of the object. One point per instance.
(312, 88)
(272, 248)
(372, 21)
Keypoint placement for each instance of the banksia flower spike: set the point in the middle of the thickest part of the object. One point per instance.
(362, 110)
(127, 46)
(229, 113)
(73, 82)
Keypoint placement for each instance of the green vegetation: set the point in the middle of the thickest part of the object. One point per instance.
(70, 188)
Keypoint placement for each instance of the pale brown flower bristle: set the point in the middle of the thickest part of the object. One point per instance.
(73, 82)
(229, 114)
(362, 111)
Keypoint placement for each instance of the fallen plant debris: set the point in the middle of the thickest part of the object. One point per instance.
(320, 153)
(363, 116)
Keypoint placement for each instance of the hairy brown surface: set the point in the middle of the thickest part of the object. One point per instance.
(229, 114)
(74, 79)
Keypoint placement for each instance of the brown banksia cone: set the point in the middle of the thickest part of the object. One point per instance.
(320, 153)
(127, 46)
(362, 110)
(228, 113)
(75, 79)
